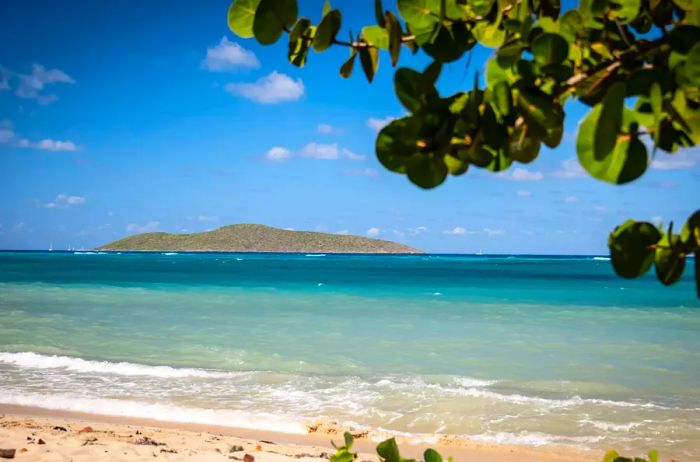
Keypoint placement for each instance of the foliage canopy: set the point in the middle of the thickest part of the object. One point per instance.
(635, 63)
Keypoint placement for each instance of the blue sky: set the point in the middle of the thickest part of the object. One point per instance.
(121, 117)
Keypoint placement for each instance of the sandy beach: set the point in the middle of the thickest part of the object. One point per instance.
(44, 435)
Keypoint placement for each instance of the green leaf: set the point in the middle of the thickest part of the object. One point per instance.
(379, 13)
(690, 235)
(450, 43)
(271, 19)
(298, 45)
(348, 440)
(241, 14)
(550, 49)
(610, 456)
(627, 11)
(397, 142)
(413, 89)
(631, 254)
(369, 58)
(327, 30)
(388, 451)
(669, 259)
(395, 33)
(539, 109)
(521, 146)
(502, 98)
(376, 36)
(326, 8)
(431, 455)
(682, 38)
(609, 122)
(692, 65)
(626, 162)
(426, 171)
(455, 165)
(432, 72)
(346, 68)
(500, 162)
(419, 13)
(653, 455)
(481, 8)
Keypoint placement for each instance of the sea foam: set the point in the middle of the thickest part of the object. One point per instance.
(31, 360)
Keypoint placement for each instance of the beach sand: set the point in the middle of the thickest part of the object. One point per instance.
(45, 435)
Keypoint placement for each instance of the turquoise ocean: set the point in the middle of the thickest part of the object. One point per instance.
(501, 349)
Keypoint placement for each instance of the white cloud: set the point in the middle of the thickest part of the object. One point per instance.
(377, 124)
(494, 232)
(227, 56)
(52, 145)
(398, 233)
(7, 134)
(571, 199)
(343, 232)
(321, 151)
(63, 201)
(570, 168)
(4, 79)
(207, 218)
(683, 159)
(457, 230)
(657, 220)
(271, 89)
(18, 227)
(326, 129)
(373, 232)
(521, 174)
(361, 172)
(144, 228)
(351, 155)
(31, 85)
(417, 230)
(277, 153)
(524, 193)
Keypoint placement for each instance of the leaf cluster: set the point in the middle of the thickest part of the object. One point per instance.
(634, 63)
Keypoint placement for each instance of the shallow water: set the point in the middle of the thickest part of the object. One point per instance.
(530, 350)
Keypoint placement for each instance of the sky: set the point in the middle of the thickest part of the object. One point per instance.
(125, 117)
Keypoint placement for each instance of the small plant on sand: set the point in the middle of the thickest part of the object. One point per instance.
(388, 451)
(634, 63)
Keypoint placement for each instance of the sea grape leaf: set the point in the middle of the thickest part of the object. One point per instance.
(413, 89)
(377, 36)
(426, 170)
(347, 67)
(669, 259)
(631, 250)
(395, 33)
(389, 451)
(550, 49)
(271, 19)
(609, 122)
(327, 30)
(431, 455)
(369, 58)
(692, 65)
(241, 14)
(419, 13)
(397, 142)
(626, 162)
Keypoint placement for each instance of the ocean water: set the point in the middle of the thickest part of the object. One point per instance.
(525, 350)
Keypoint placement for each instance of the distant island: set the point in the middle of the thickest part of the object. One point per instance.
(257, 238)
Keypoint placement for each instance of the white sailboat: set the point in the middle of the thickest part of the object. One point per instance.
(51, 247)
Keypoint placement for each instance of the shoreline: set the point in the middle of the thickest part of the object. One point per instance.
(20, 425)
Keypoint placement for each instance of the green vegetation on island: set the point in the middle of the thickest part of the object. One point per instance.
(257, 238)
